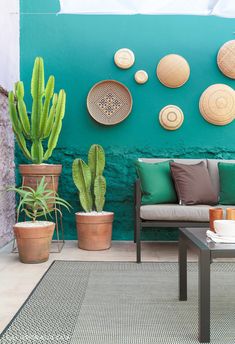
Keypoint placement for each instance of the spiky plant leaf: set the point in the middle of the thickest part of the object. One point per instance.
(99, 192)
(35, 202)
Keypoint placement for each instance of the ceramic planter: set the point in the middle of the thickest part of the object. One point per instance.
(94, 230)
(32, 173)
(34, 240)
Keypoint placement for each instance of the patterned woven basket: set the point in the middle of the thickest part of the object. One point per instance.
(109, 102)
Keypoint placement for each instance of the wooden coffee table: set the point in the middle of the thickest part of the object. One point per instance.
(196, 238)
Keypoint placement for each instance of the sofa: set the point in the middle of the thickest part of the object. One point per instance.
(174, 215)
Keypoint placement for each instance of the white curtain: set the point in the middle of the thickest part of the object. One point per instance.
(9, 43)
(223, 8)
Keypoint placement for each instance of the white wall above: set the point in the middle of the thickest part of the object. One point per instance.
(222, 8)
(9, 43)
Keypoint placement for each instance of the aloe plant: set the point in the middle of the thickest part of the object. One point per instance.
(35, 203)
(45, 122)
(89, 179)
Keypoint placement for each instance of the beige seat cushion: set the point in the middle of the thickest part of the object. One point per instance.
(176, 212)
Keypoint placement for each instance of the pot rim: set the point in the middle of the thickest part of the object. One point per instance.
(30, 224)
(94, 213)
(42, 164)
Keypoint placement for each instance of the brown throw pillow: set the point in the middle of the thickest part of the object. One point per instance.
(193, 184)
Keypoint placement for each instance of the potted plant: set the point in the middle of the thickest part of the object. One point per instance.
(39, 129)
(94, 226)
(34, 237)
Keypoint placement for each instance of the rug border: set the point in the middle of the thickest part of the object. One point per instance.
(26, 300)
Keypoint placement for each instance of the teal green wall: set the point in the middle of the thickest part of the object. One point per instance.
(79, 51)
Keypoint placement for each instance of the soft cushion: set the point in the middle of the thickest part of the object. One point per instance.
(156, 182)
(212, 165)
(227, 183)
(176, 212)
(193, 184)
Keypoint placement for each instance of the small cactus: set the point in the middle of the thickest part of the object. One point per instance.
(46, 118)
(89, 179)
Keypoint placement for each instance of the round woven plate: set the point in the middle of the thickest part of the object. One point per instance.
(226, 59)
(109, 102)
(141, 77)
(171, 117)
(217, 104)
(124, 58)
(173, 71)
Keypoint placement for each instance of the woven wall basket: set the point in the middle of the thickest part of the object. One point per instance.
(171, 117)
(141, 77)
(217, 104)
(109, 102)
(173, 71)
(226, 59)
(124, 58)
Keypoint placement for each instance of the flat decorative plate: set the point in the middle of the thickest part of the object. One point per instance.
(141, 77)
(171, 117)
(109, 102)
(226, 59)
(173, 71)
(124, 58)
(217, 104)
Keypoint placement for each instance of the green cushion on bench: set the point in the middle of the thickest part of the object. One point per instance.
(156, 182)
(227, 183)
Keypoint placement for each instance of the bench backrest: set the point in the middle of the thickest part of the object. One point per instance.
(212, 165)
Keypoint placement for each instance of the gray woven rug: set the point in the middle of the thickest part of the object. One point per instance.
(122, 303)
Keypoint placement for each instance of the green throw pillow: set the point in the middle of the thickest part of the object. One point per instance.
(227, 183)
(156, 182)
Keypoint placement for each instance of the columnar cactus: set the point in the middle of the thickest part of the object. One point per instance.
(45, 121)
(89, 179)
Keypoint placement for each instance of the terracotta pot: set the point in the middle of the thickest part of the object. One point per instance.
(215, 214)
(34, 242)
(94, 231)
(230, 214)
(33, 173)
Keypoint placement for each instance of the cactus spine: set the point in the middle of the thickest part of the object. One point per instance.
(46, 118)
(89, 179)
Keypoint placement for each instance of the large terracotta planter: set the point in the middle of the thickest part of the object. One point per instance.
(33, 173)
(34, 240)
(94, 230)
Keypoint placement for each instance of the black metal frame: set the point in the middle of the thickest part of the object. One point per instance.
(141, 224)
(206, 256)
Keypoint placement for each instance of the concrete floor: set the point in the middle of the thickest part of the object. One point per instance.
(17, 280)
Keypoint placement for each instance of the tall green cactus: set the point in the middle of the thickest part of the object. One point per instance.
(89, 179)
(45, 121)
